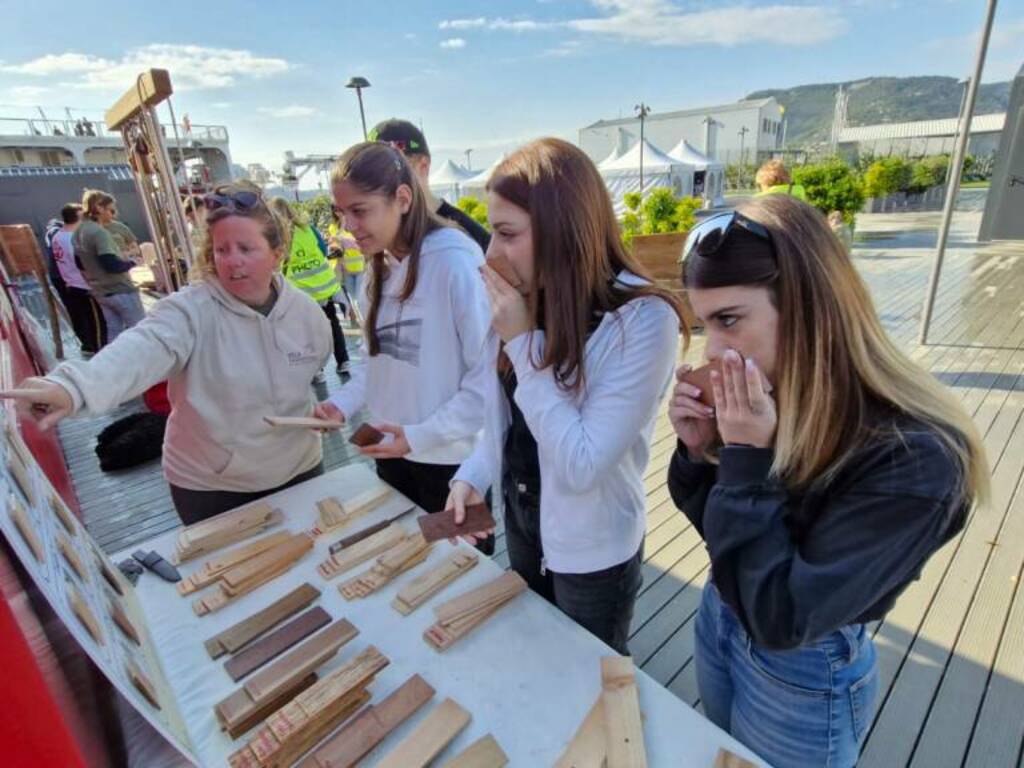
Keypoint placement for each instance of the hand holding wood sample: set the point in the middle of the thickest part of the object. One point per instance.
(441, 525)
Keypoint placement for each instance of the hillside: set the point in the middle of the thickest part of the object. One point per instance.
(809, 108)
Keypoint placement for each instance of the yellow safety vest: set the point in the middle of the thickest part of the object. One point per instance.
(353, 259)
(796, 190)
(307, 267)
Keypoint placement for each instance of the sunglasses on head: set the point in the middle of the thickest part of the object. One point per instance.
(707, 238)
(237, 200)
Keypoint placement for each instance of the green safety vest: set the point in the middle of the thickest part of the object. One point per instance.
(308, 269)
(353, 258)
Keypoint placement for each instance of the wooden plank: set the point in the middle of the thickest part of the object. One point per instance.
(482, 753)
(307, 657)
(277, 642)
(150, 88)
(442, 724)
(361, 551)
(622, 722)
(359, 737)
(423, 587)
(212, 569)
(589, 745)
(238, 635)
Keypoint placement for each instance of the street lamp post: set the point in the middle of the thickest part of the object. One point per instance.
(642, 111)
(469, 165)
(359, 83)
(743, 135)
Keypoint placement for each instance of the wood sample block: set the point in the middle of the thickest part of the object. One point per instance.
(224, 529)
(123, 623)
(458, 617)
(503, 267)
(63, 514)
(336, 513)
(482, 753)
(67, 551)
(28, 533)
(589, 746)
(371, 726)
(727, 759)
(84, 613)
(361, 551)
(623, 725)
(366, 435)
(302, 422)
(425, 586)
(214, 567)
(238, 635)
(442, 724)
(408, 553)
(247, 715)
(142, 683)
(277, 642)
(299, 725)
(441, 525)
(253, 573)
(20, 474)
(113, 579)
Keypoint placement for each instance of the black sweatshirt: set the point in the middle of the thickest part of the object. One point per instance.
(795, 567)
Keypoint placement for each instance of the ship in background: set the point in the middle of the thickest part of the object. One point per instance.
(47, 162)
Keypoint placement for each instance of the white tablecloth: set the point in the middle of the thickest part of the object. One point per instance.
(528, 675)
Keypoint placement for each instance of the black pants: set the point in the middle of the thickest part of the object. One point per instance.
(426, 486)
(340, 348)
(86, 318)
(194, 506)
(601, 602)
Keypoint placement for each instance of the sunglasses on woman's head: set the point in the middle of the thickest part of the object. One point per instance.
(706, 238)
(238, 200)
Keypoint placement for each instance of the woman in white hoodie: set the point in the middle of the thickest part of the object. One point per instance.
(238, 345)
(586, 356)
(426, 328)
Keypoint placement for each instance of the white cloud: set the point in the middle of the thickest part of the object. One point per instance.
(453, 42)
(409, 35)
(192, 67)
(292, 110)
(661, 22)
(222, 104)
(564, 49)
(25, 95)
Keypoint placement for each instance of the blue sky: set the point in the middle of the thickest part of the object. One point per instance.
(480, 75)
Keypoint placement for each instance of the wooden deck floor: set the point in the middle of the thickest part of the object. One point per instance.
(951, 653)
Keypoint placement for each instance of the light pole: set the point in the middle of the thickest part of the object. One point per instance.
(743, 136)
(359, 83)
(642, 111)
(469, 165)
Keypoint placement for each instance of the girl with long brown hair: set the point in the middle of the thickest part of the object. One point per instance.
(586, 354)
(426, 326)
(826, 473)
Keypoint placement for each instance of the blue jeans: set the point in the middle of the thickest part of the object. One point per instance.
(353, 282)
(809, 706)
(121, 311)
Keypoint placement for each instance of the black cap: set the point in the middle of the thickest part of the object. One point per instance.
(402, 135)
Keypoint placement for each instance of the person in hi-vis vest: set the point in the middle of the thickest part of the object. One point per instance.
(306, 267)
(349, 264)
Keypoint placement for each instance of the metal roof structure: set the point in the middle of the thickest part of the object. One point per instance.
(920, 129)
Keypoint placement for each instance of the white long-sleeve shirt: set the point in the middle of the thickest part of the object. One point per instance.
(432, 369)
(592, 447)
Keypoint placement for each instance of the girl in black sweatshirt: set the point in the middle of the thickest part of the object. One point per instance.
(825, 474)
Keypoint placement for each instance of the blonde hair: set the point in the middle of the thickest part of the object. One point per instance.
(771, 173)
(272, 228)
(93, 200)
(836, 364)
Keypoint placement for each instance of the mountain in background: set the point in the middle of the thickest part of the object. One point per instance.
(809, 108)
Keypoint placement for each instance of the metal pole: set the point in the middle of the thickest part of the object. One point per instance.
(642, 110)
(362, 115)
(956, 168)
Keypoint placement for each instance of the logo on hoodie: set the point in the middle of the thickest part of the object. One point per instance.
(304, 356)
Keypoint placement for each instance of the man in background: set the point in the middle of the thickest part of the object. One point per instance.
(411, 142)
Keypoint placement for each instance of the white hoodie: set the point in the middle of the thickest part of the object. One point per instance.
(227, 367)
(592, 447)
(433, 365)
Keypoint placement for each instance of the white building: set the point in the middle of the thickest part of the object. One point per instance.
(715, 131)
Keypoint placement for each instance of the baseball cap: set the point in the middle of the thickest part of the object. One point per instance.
(402, 135)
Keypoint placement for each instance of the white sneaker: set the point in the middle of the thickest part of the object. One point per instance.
(320, 378)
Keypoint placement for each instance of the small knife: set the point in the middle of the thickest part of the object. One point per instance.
(348, 541)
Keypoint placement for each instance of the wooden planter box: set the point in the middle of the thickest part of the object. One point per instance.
(662, 256)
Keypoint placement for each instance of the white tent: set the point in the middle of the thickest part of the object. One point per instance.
(446, 180)
(614, 155)
(623, 174)
(709, 175)
(474, 187)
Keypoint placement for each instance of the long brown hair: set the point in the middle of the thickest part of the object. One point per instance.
(379, 169)
(577, 249)
(93, 200)
(836, 365)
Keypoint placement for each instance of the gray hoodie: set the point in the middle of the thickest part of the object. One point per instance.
(227, 366)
